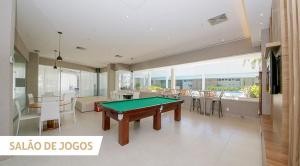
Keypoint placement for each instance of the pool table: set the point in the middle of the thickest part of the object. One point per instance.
(126, 111)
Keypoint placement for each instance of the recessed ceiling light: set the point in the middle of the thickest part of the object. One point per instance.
(261, 14)
(80, 48)
(218, 19)
(151, 29)
(118, 56)
(222, 40)
(127, 16)
(261, 23)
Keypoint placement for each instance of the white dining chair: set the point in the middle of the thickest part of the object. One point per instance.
(72, 110)
(22, 117)
(49, 111)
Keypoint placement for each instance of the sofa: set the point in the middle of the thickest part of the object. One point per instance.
(85, 104)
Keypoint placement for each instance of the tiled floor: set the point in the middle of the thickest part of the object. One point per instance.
(194, 141)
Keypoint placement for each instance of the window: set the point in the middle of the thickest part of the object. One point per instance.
(123, 80)
(19, 81)
(61, 81)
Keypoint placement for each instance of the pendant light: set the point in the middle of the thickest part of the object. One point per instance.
(59, 58)
(55, 67)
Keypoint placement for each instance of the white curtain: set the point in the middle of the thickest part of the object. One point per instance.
(69, 81)
(48, 80)
(123, 80)
(103, 84)
(88, 83)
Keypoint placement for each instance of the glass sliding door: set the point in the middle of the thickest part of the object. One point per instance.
(19, 81)
(62, 81)
(103, 84)
(49, 81)
(69, 81)
(88, 84)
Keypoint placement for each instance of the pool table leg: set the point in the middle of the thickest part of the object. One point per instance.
(105, 121)
(157, 120)
(177, 113)
(124, 131)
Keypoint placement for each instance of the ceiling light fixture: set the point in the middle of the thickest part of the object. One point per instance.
(55, 67)
(118, 56)
(218, 19)
(59, 58)
(80, 48)
(261, 14)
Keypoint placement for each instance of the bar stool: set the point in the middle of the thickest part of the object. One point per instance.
(218, 101)
(195, 102)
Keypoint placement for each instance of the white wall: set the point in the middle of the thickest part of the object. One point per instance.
(7, 17)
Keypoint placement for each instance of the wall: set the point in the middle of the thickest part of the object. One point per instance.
(266, 97)
(279, 102)
(224, 50)
(111, 78)
(32, 74)
(64, 64)
(20, 46)
(7, 17)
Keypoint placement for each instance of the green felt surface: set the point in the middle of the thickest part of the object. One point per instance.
(126, 105)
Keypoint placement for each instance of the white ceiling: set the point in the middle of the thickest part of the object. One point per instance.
(138, 29)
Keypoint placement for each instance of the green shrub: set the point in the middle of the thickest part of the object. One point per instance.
(153, 87)
(251, 91)
(137, 85)
(254, 91)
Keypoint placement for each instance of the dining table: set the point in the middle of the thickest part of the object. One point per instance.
(51, 124)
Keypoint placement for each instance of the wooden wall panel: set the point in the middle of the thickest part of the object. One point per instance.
(278, 134)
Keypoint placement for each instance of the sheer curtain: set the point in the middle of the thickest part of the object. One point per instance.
(103, 84)
(69, 81)
(88, 83)
(123, 80)
(48, 80)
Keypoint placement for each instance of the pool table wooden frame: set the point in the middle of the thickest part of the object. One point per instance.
(137, 114)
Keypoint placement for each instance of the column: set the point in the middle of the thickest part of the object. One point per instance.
(111, 78)
(132, 80)
(203, 81)
(7, 17)
(167, 81)
(149, 79)
(33, 74)
(173, 79)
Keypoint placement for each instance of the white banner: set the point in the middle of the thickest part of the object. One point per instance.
(50, 145)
